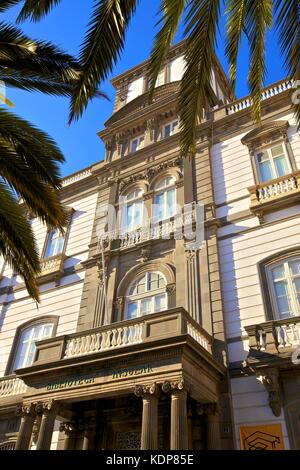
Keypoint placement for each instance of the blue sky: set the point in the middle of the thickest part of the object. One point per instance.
(65, 26)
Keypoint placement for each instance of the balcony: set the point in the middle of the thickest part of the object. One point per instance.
(275, 194)
(182, 225)
(274, 341)
(52, 267)
(11, 386)
(121, 335)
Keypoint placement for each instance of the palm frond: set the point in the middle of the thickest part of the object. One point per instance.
(35, 65)
(6, 4)
(201, 28)
(17, 243)
(171, 13)
(36, 153)
(101, 49)
(35, 10)
(236, 14)
(259, 19)
(288, 25)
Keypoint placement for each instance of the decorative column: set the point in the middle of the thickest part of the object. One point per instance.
(179, 420)
(68, 429)
(213, 425)
(89, 433)
(48, 413)
(150, 395)
(27, 413)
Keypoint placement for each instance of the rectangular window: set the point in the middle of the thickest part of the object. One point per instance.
(285, 280)
(170, 129)
(160, 78)
(273, 163)
(55, 243)
(137, 144)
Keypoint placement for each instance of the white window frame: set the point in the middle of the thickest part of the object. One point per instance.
(131, 201)
(173, 128)
(29, 342)
(148, 294)
(140, 143)
(164, 191)
(295, 305)
(269, 149)
(161, 74)
(58, 236)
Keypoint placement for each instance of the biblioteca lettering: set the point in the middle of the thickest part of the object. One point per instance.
(89, 379)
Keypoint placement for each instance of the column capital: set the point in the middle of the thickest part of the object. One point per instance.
(171, 387)
(25, 409)
(45, 407)
(145, 390)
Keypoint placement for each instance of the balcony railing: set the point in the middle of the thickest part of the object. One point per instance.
(267, 93)
(153, 327)
(272, 192)
(275, 337)
(10, 386)
(153, 230)
(55, 264)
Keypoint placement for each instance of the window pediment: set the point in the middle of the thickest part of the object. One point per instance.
(266, 134)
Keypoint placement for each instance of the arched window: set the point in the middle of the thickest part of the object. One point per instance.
(146, 295)
(284, 280)
(132, 216)
(165, 198)
(24, 347)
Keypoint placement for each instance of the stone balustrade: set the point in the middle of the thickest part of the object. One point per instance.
(276, 337)
(267, 93)
(52, 265)
(152, 230)
(10, 386)
(110, 338)
(272, 194)
(153, 327)
(76, 177)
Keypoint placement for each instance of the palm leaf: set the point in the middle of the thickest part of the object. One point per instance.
(6, 4)
(201, 27)
(236, 14)
(17, 243)
(171, 11)
(101, 49)
(288, 25)
(259, 18)
(36, 9)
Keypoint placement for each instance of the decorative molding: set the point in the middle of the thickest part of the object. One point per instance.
(148, 389)
(168, 387)
(25, 409)
(270, 380)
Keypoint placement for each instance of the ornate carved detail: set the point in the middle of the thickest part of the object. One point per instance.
(148, 389)
(270, 380)
(171, 288)
(67, 428)
(44, 407)
(119, 304)
(155, 170)
(25, 409)
(167, 387)
(145, 254)
(132, 179)
(102, 272)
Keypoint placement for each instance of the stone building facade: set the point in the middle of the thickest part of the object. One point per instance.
(144, 339)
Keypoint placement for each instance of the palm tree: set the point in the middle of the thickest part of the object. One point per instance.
(109, 21)
(29, 158)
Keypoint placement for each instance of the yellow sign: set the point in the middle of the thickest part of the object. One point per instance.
(266, 437)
